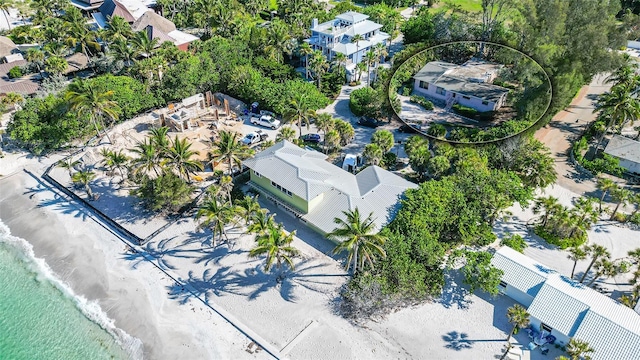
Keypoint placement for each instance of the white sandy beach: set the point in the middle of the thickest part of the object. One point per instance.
(90, 259)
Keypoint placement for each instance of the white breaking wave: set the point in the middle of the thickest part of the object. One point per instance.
(91, 309)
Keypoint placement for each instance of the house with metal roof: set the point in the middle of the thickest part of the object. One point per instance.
(566, 309)
(334, 36)
(469, 84)
(627, 151)
(302, 182)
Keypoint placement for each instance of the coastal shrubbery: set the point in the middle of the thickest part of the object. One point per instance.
(441, 215)
(420, 100)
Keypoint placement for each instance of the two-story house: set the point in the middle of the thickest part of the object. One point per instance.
(335, 36)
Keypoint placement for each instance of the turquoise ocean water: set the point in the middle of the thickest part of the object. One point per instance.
(41, 318)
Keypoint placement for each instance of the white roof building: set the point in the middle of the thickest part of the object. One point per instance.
(334, 36)
(626, 150)
(571, 309)
(320, 190)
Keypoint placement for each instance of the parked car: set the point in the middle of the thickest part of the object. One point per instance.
(254, 137)
(409, 128)
(266, 121)
(312, 138)
(369, 122)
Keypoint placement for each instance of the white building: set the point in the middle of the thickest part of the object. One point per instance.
(566, 309)
(335, 36)
(468, 84)
(627, 151)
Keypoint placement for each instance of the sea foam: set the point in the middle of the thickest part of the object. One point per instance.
(91, 309)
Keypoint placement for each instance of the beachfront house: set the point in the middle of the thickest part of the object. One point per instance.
(627, 151)
(335, 36)
(469, 84)
(565, 308)
(302, 182)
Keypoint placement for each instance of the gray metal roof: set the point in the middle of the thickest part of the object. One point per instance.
(520, 271)
(611, 340)
(352, 16)
(307, 174)
(573, 309)
(441, 74)
(623, 148)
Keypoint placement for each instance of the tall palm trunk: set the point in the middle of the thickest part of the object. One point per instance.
(604, 133)
(87, 188)
(573, 269)
(595, 258)
(7, 19)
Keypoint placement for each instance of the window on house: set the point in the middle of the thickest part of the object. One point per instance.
(485, 103)
(257, 174)
(424, 85)
(503, 284)
(454, 94)
(466, 97)
(440, 91)
(273, 184)
(545, 327)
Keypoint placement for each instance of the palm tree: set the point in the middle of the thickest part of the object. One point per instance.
(122, 51)
(625, 74)
(160, 139)
(275, 243)
(332, 140)
(179, 156)
(518, 317)
(249, 207)
(118, 30)
(549, 205)
(369, 58)
(216, 215)
(286, 133)
(85, 177)
(576, 254)
(324, 123)
(620, 196)
(585, 214)
(86, 99)
(341, 60)
(578, 349)
(68, 164)
(605, 185)
(5, 6)
(114, 160)
(357, 238)
(229, 148)
(306, 50)
(604, 267)
(145, 45)
(260, 222)
(148, 157)
(225, 186)
(621, 106)
(373, 153)
(356, 40)
(298, 110)
(360, 68)
(635, 200)
(596, 251)
(319, 66)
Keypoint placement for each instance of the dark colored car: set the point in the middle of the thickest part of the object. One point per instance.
(369, 122)
(312, 138)
(409, 128)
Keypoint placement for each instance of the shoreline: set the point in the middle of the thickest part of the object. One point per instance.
(126, 291)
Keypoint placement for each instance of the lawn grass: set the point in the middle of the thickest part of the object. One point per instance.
(466, 5)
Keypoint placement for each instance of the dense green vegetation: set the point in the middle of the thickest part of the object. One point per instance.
(457, 207)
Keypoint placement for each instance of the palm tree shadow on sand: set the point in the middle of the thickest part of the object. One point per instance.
(250, 283)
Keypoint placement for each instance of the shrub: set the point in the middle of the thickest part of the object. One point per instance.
(606, 164)
(389, 160)
(620, 217)
(635, 219)
(167, 192)
(406, 91)
(437, 130)
(364, 102)
(464, 110)
(516, 242)
(15, 72)
(427, 104)
(562, 243)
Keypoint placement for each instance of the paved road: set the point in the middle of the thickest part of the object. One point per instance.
(565, 127)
